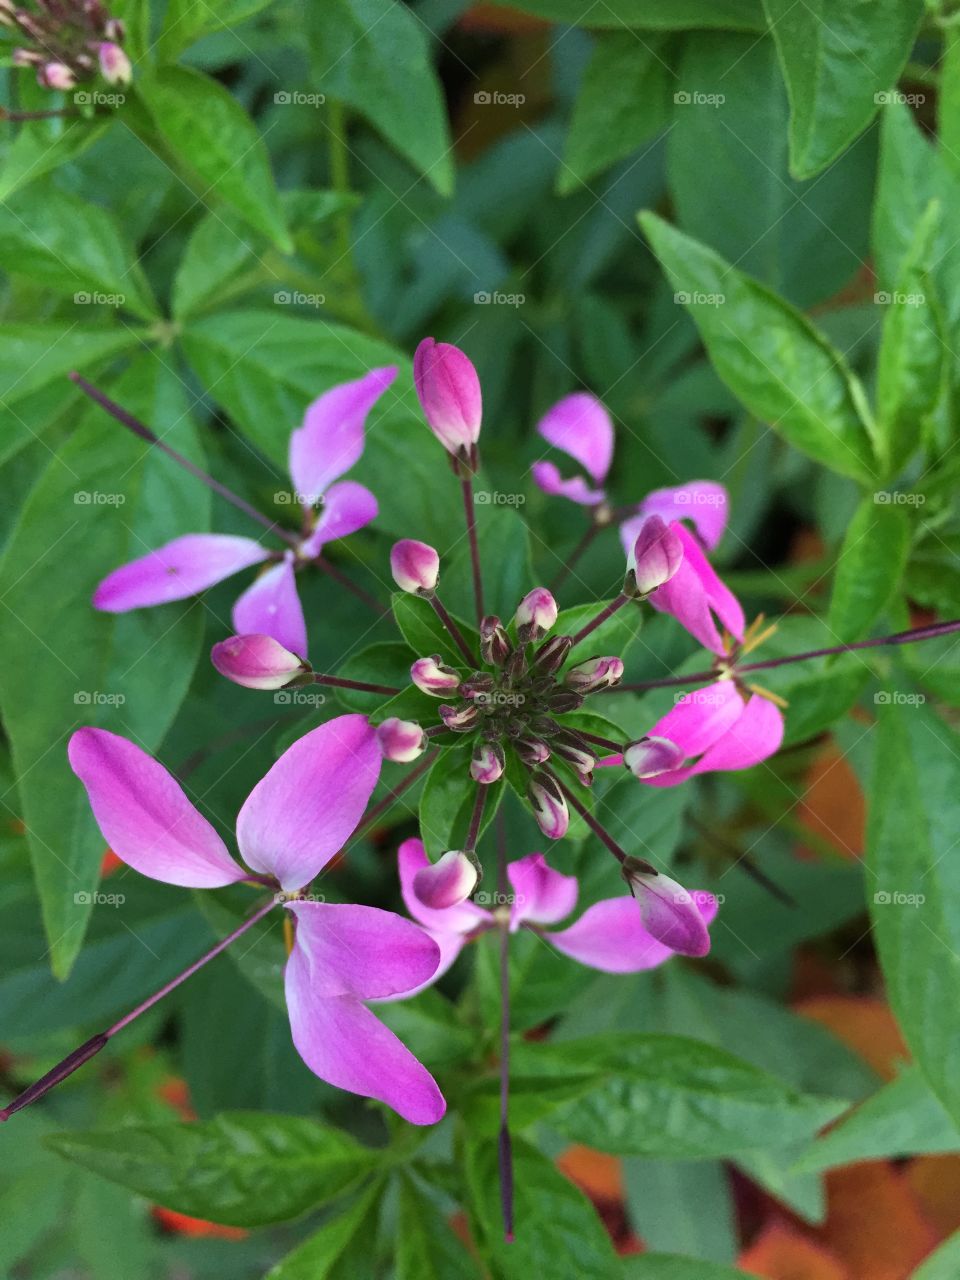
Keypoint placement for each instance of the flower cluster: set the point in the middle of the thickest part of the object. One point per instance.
(68, 42)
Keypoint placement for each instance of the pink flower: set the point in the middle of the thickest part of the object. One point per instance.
(536, 614)
(697, 598)
(449, 392)
(656, 555)
(295, 820)
(580, 426)
(114, 63)
(611, 936)
(328, 443)
(415, 566)
(401, 741)
(702, 502)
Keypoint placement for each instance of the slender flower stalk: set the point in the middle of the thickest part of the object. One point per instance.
(504, 1143)
(473, 832)
(361, 686)
(575, 555)
(456, 635)
(601, 617)
(466, 488)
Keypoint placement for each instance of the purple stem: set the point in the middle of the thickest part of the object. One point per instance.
(601, 618)
(338, 576)
(504, 1143)
(454, 631)
(466, 488)
(473, 834)
(616, 747)
(143, 431)
(93, 1046)
(579, 550)
(596, 827)
(335, 682)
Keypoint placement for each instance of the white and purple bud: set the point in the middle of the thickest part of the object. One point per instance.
(552, 654)
(449, 392)
(415, 567)
(257, 662)
(115, 30)
(570, 747)
(114, 64)
(531, 750)
(56, 75)
(536, 614)
(488, 763)
(495, 646)
(26, 58)
(549, 806)
(669, 911)
(594, 674)
(401, 740)
(433, 676)
(657, 555)
(460, 719)
(651, 756)
(447, 882)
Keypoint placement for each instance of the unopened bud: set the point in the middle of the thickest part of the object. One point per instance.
(657, 555)
(460, 719)
(572, 748)
(488, 763)
(564, 700)
(478, 685)
(114, 30)
(401, 740)
(549, 806)
(257, 662)
(433, 676)
(536, 614)
(531, 750)
(56, 75)
(415, 566)
(652, 756)
(447, 882)
(449, 392)
(114, 64)
(594, 674)
(495, 646)
(669, 911)
(552, 654)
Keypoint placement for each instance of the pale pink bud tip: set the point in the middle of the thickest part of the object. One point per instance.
(434, 677)
(536, 614)
(449, 392)
(257, 662)
(652, 756)
(401, 740)
(669, 912)
(594, 674)
(488, 763)
(415, 566)
(657, 555)
(549, 807)
(447, 882)
(114, 64)
(56, 75)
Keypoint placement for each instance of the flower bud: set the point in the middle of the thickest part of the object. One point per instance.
(572, 748)
(552, 654)
(549, 806)
(447, 882)
(536, 614)
(434, 677)
(651, 756)
(415, 566)
(668, 911)
(488, 763)
(531, 750)
(462, 719)
(495, 646)
(114, 30)
(563, 700)
(257, 662)
(56, 75)
(449, 392)
(114, 64)
(401, 740)
(480, 685)
(594, 674)
(657, 555)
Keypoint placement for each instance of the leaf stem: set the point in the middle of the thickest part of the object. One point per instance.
(504, 1143)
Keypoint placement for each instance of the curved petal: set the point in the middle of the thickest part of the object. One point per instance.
(458, 920)
(699, 718)
(330, 440)
(145, 816)
(541, 895)
(671, 913)
(580, 426)
(345, 1044)
(176, 570)
(695, 596)
(347, 507)
(309, 804)
(270, 606)
(703, 502)
(610, 936)
(362, 951)
(753, 735)
(548, 478)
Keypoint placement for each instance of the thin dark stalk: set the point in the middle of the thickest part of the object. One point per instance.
(579, 550)
(601, 618)
(745, 861)
(596, 827)
(504, 1143)
(335, 682)
(143, 431)
(454, 631)
(473, 833)
(601, 742)
(353, 587)
(466, 488)
(18, 116)
(388, 800)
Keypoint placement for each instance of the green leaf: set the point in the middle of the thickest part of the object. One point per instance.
(871, 564)
(243, 1169)
(672, 1200)
(386, 662)
(103, 494)
(770, 356)
(341, 1249)
(902, 1118)
(72, 247)
(43, 145)
(33, 355)
(913, 882)
(623, 101)
(425, 633)
(943, 1263)
(504, 558)
(680, 15)
(216, 145)
(186, 22)
(374, 56)
(840, 60)
(448, 799)
(426, 1247)
(662, 1266)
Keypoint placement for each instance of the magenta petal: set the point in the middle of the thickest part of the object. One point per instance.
(695, 596)
(548, 478)
(671, 913)
(580, 426)
(611, 936)
(176, 570)
(703, 502)
(309, 804)
(331, 438)
(447, 882)
(449, 392)
(723, 740)
(700, 718)
(347, 507)
(540, 894)
(362, 951)
(271, 607)
(144, 815)
(343, 1043)
(461, 919)
(755, 735)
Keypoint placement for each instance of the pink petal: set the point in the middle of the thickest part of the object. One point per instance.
(671, 913)
(347, 507)
(176, 570)
(703, 502)
(541, 895)
(447, 882)
(754, 734)
(580, 426)
(343, 1043)
(548, 478)
(449, 392)
(611, 936)
(309, 804)
(698, 719)
(271, 607)
(331, 438)
(695, 595)
(458, 920)
(144, 815)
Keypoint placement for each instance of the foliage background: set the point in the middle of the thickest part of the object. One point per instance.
(464, 153)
